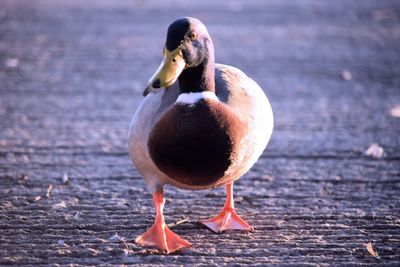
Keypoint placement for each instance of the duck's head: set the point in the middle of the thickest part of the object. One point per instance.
(187, 45)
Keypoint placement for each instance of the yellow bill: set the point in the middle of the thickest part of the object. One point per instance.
(168, 72)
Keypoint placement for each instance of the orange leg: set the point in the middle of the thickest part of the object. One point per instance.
(227, 219)
(159, 235)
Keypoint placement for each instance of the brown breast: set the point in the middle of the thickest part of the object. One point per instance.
(195, 145)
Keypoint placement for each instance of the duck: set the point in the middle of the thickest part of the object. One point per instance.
(200, 125)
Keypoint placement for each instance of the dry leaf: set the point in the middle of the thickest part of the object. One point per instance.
(371, 250)
(375, 151)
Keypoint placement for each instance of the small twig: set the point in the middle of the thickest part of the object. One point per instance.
(116, 237)
(49, 188)
(178, 222)
(126, 245)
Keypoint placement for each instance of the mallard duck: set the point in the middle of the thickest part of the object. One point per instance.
(199, 126)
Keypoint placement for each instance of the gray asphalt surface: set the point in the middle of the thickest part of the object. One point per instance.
(72, 74)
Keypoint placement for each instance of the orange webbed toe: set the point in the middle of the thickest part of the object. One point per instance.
(228, 219)
(159, 235)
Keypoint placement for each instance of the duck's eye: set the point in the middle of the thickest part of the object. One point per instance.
(192, 35)
(173, 60)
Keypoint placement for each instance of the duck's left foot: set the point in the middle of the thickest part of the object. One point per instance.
(227, 219)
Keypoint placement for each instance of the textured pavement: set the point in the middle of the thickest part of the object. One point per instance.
(72, 74)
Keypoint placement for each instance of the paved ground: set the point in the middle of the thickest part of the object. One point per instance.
(71, 76)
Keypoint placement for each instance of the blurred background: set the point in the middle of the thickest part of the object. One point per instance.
(72, 74)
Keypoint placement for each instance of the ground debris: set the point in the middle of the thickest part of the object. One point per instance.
(115, 238)
(268, 178)
(48, 192)
(171, 225)
(371, 250)
(65, 179)
(62, 243)
(395, 112)
(24, 177)
(93, 251)
(118, 238)
(338, 178)
(77, 216)
(60, 205)
(375, 151)
(12, 62)
(346, 75)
